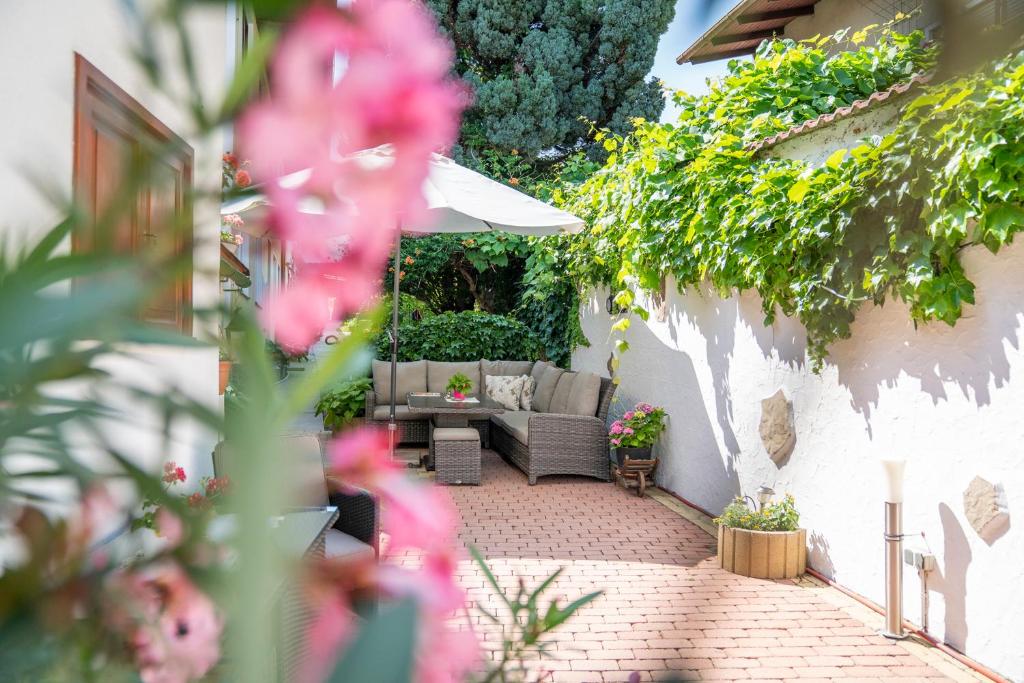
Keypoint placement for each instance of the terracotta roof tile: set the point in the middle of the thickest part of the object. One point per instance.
(857, 107)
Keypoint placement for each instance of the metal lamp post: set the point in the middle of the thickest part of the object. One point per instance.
(893, 469)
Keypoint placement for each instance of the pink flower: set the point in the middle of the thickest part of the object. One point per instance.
(616, 442)
(232, 220)
(331, 626)
(395, 90)
(628, 416)
(243, 179)
(173, 473)
(445, 655)
(359, 458)
(616, 427)
(433, 585)
(172, 629)
(645, 407)
(628, 431)
(415, 515)
(169, 526)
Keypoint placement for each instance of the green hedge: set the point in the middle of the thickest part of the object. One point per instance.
(463, 336)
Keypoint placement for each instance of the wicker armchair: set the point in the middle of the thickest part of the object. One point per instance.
(561, 444)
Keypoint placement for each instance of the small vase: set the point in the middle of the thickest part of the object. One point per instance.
(622, 453)
(458, 396)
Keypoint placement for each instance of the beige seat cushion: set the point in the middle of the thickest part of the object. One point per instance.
(412, 377)
(517, 422)
(439, 372)
(456, 434)
(505, 390)
(505, 368)
(546, 389)
(341, 545)
(584, 395)
(538, 370)
(402, 413)
(307, 483)
(560, 399)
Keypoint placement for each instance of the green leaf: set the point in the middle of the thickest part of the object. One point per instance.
(383, 650)
(798, 191)
(835, 159)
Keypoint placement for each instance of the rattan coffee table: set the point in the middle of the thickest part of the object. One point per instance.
(445, 413)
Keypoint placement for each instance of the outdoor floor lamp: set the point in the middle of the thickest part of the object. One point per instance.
(893, 477)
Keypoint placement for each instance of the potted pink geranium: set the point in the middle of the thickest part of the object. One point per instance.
(634, 435)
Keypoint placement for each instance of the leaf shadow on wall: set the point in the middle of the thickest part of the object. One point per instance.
(715, 319)
(951, 578)
(971, 355)
(693, 463)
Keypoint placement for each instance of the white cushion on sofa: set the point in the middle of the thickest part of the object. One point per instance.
(505, 390)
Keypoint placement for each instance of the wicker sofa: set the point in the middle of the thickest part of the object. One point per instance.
(565, 432)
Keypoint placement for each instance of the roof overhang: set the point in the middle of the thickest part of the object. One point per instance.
(744, 27)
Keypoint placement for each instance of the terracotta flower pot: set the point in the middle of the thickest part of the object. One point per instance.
(225, 375)
(763, 554)
(621, 453)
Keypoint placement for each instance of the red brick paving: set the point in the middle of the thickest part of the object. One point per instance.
(667, 609)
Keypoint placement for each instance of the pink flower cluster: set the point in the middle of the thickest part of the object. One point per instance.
(172, 629)
(417, 518)
(395, 90)
(172, 473)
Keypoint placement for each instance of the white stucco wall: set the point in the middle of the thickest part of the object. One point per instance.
(949, 399)
(38, 40)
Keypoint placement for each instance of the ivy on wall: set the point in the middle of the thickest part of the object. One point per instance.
(889, 216)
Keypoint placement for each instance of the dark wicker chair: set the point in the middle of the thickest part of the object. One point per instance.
(561, 444)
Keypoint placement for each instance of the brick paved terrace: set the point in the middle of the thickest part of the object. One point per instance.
(668, 612)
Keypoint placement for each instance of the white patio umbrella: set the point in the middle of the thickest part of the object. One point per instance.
(458, 200)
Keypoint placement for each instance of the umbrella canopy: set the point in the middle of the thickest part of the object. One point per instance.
(458, 200)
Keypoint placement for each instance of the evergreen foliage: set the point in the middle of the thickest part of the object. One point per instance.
(537, 66)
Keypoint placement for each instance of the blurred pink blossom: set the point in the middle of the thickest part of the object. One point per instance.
(359, 458)
(628, 431)
(416, 515)
(395, 91)
(628, 416)
(331, 626)
(616, 427)
(172, 629)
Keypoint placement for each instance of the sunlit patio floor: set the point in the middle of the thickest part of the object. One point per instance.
(668, 611)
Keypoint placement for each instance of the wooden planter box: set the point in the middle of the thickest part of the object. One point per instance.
(763, 554)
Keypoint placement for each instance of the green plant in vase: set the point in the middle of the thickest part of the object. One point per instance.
(459, 385)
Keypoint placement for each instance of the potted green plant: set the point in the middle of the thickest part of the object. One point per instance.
(342, 406)
(459, 386)
(765, 542)
(634, 435)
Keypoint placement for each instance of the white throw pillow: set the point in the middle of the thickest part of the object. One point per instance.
(526, 397)
(505, 390)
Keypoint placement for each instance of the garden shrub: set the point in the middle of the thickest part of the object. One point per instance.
(339, 405)
(781, 516)
(463, 336)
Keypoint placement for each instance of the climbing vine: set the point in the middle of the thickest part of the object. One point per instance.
(889, 216)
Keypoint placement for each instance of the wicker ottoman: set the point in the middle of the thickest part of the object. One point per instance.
(456, 455)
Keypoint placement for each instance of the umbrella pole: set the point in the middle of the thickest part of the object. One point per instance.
(392, 426)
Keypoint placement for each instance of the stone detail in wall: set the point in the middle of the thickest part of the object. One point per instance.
(778, 432)
(986, 509)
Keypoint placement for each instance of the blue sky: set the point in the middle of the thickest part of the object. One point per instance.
(692, 18)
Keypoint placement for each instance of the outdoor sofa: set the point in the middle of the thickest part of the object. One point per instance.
(565, 432)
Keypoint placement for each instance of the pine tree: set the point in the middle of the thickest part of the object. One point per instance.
(537, 66)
